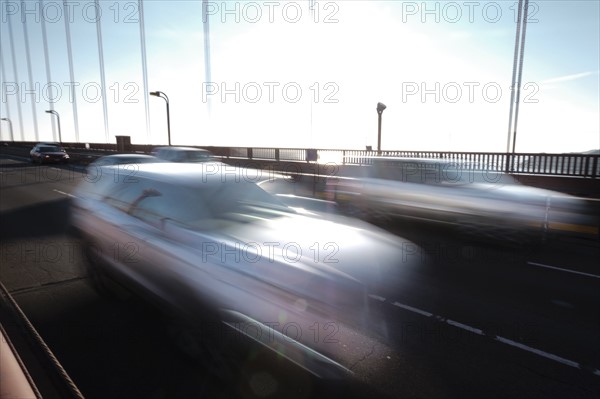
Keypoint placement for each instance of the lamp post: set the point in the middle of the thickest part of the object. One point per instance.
(380, 108)
(164, 96)
(53, 112)
(9, 128)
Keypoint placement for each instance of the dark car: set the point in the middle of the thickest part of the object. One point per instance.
(48, 152)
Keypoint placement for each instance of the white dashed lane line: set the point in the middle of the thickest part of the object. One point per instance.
(410, 308)
(496, 338)
(377, 297)
(63, 193)
(465, 327)
(563, 270)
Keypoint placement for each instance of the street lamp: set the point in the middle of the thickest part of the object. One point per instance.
(164, 96)
(53, 112)
(380, 108)
(10, 128)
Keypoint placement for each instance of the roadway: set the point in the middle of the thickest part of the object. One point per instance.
(481, 319)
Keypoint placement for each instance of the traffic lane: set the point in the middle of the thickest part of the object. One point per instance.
(34, 220)
(23, 184)
(491, 291)
(468, 364)
(494, 263)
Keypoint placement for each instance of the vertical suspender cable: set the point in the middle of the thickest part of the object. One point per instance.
(514, 77)
(101, 61)
(144, 65)
(3, 76)
(15, 74)
(48, 77)
(207, 71)
(71, 73)
(29, 73)
(525, 6)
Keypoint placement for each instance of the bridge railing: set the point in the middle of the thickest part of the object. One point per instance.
(575, 165)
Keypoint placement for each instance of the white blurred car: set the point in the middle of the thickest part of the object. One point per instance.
(204, 236)
(473, 199)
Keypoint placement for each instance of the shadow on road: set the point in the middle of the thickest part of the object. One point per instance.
(44, 219)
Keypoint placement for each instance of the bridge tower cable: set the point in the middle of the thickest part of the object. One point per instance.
(3, 77)
(67, 18)
(207, 63)
(101, 61)
(514, 140)
(144, 66)
(29, 71)
(48, 75)
(15, 74)
(514, 76)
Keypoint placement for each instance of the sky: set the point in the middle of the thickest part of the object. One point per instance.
(303, 74)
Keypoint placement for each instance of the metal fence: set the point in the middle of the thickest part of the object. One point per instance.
(575, 165)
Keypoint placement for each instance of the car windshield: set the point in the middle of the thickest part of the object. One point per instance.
(50, 149)
(195, 207)
(197, 156)
(240, 198)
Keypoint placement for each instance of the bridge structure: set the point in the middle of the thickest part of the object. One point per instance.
(573, 173)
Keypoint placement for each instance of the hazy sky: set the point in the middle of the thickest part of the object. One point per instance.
(306, 73)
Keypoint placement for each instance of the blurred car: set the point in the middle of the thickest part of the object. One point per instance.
(201, 239)
(473, 199)
(48, 152)
(122, 159)
(183, 154)
(309, 205)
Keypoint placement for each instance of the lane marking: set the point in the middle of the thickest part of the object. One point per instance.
(465, 327)
(63, 193)
(498, 338)
(415, 310)
(538, 352)
(563, 270)
(377, 297)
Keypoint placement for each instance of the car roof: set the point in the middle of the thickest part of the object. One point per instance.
(49, 143)
(196, 174)
(127, 156)
(181, 149)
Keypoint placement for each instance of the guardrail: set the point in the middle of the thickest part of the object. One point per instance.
(570, 164)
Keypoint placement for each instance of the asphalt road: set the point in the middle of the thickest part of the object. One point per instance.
(482, 319)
